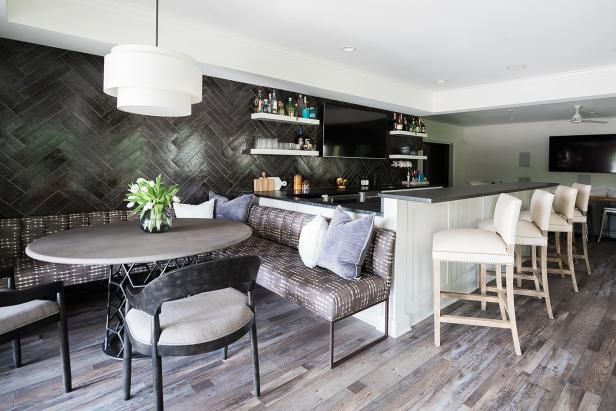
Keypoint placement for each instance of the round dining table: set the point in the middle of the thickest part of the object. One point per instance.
(135, 258)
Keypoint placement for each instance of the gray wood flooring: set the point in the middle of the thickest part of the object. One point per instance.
(567, 363)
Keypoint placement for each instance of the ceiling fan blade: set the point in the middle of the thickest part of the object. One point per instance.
(594, 121)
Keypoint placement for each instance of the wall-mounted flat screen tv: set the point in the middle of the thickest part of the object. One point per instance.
(583, 154)
(354, 132)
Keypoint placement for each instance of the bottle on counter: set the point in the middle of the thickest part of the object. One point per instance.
(297, 182)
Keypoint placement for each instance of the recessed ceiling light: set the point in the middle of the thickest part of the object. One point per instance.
(441, 81)
(591, 112)
(515, 67)
(348, 49)
(510, 110)
(511, 118)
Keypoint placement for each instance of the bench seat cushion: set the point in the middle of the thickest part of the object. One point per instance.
(29, 272)
(317, 289)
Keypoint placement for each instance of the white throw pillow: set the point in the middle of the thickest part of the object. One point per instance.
(311, 241)
(203, 210)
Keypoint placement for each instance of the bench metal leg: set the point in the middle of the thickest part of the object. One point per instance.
(334, 363)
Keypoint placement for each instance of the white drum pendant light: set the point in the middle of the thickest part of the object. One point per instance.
(152, 81)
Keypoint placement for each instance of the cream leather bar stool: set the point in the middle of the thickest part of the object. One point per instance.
(564, 207)
(532, 233)
(480, 247)
(580, 217)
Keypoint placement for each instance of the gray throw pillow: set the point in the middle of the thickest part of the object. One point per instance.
(235, 210)
(346, 244)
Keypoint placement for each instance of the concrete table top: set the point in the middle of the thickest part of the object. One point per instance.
(125, 243)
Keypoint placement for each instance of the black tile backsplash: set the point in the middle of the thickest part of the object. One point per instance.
(65, 147)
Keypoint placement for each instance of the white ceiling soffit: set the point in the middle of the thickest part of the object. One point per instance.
(470, 52)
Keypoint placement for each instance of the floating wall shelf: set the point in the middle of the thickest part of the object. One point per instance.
(277, 118)
(280, 152)
(407, 133)
(406, 157)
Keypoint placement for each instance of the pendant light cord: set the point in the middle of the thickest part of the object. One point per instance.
(156, 23)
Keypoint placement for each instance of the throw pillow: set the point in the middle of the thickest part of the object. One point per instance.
(203, 210)
(311, 241)
(235, 210)
(346, 244)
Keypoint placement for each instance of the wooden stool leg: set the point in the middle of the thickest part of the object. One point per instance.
(533, 252)
(436, 287)
(482, 283)
(558, 254)
(570, 259)
(585, 246)
(511, 309)
(518, 263)
(544, 279)
(499, 286)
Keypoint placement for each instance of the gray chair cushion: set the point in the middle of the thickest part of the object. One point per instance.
(346, 244)
(317, 289)
(193, 320)
(15, 316)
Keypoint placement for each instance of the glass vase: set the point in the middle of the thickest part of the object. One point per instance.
(156, 222)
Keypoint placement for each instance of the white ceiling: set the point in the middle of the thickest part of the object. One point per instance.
(597, 109)
(402, 47)
(466, 42)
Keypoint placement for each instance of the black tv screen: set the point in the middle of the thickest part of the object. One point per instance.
(354, 132)
(583, 154)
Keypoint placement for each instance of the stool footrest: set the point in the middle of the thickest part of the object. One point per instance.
(520, 291)
(470, 297)
(482, 322)
(558, 271)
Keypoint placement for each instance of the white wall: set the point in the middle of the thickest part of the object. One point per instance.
(492, 152)
(447, 133)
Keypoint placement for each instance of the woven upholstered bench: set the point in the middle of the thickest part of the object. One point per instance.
(275, 239)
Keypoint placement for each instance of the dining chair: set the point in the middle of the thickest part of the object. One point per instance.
(25, 311)
(190, 311)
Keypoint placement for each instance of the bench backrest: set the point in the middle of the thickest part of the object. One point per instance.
(284, 226)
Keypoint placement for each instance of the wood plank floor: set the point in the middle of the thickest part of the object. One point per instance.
(567, 363)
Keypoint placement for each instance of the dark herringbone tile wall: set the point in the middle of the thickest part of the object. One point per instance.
(65, 147)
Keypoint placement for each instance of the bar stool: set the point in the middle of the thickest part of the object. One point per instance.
(607, 211)
(532, 233)
(480, 247)
(580, 216)
(564, 206)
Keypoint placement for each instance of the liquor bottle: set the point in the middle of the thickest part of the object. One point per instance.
(423, 127)
(406, 124)
(400, 124)
(306, 109)
(280, 108)
(266, 106)
(255, 105)
(269, 100)
(299, 138)
(274, 101)
(394, 122)
(300, 106)
(259, 107)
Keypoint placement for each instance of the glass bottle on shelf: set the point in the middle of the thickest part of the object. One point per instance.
(266, 106)
(399, 123)
(269, 105)
(259, 107)
(280, 108)
(255, 104)
(274, 101)
(394, 122)
(423, 127)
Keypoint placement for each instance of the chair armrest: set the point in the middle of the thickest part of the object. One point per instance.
(40, 292)
(196, 279)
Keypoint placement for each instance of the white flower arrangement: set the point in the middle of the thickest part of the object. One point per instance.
(153, 196)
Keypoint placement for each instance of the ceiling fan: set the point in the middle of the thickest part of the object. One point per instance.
(577, 117)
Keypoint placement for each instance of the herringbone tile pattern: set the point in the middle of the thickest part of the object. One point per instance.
(65, 147)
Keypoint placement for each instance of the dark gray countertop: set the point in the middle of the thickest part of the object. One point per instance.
(370, 206)
(463, 192)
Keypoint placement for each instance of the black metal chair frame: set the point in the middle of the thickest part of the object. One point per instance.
(334, 363)
(235, 272)
(53, 291)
